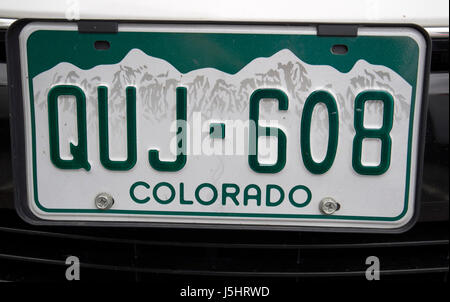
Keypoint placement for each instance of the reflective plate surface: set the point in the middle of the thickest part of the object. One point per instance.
(222, 125)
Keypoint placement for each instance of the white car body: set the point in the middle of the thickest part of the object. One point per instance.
(432, 13)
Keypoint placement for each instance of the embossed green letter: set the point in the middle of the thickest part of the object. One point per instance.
(179, 163)
(79, 152)
(104, 133)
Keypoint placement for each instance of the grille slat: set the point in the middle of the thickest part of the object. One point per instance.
(403, 271)
(229, 245)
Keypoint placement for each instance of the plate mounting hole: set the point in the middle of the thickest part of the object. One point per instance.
(339, 49)
(101, 45)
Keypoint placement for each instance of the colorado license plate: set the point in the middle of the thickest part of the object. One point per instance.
(260, 126)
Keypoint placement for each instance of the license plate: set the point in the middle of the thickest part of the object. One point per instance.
(248, 126)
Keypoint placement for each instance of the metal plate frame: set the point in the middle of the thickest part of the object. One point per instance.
(19, 152)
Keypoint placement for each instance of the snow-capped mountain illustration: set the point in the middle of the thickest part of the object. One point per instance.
(212, 91)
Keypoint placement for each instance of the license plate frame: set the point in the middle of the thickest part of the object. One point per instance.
(19, 145)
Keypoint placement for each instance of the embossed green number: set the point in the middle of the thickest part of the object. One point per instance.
(283, 104)
(180, 161)
(305, 137)
(104, 133)
(79, 152)
(383, 133)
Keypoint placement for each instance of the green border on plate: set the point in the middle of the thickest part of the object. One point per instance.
(58, 47)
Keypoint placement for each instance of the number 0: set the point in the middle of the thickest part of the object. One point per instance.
(305, 139)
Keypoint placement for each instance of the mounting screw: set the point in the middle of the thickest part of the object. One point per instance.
(328, 206)
(104, 201)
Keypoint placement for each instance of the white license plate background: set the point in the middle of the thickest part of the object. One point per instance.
(366, 201)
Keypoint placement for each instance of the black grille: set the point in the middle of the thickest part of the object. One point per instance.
(439, 59)
(2, 46)
(140, 254)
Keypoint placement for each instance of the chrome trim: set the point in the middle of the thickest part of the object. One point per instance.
(437, 32)
(5, 23)
(3, 77)
(439, 83)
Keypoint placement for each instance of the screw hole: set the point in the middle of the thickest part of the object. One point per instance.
(339, 49)
(101, 45)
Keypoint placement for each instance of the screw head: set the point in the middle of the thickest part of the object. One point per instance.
(328, 206)
(104, 201)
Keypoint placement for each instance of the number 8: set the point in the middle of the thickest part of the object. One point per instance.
(382, 133)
